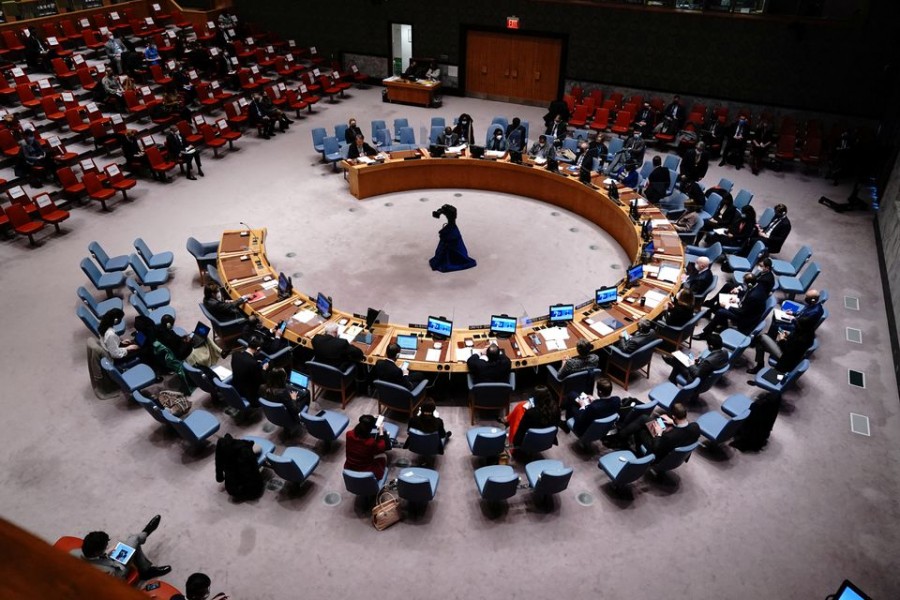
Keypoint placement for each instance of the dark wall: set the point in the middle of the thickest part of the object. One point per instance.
(831, 67)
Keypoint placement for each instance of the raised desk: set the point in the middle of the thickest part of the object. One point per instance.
(419, 92)
(255, 276)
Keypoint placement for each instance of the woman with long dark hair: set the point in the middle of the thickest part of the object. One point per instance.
(119, 350)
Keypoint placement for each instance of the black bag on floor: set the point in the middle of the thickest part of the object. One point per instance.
(754, 435)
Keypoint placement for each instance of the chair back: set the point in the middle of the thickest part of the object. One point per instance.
(491, 395)
(803, 255)
(113, 373)
(579, 381)
(213, 273)
(384, 139)
(89, 301)
(794, 375)
(230, 396)
(398, 124)
(139, 305)
(634, 469)
(809, 275)
(755, 252)
(489, 443)
(712, 204)
(426, 444)
(538, 439)
(681, 332)
(714, 252)
(287, 466)
(645, 169)
(91, 270)
(340, 131)
(766, 217)
(731, 427)
(714, 284)
(139, 268)
(438, 122)
(711, 380)
(413, 487)
(615, 145)
(675, 458)
(135, 288)
(331, 145)
(377, 126)
(598, 429)
(150, 406)
(726, 185)
(318, 136)
(553, 481)
(361, 483)
(88, 318)
(199, 379)
(407, 136)
(178, 424)
(324, 375)
(742, 199)
(436, 131)
(500, 487)
(318, 426)
(278, 414)
(672, 162)
(395, 397)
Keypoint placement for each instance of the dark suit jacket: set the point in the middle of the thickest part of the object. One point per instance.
(674, 437)
(658, 184)
(387, 370)
(714, 361)
(367, 150)
(778, 235)
(489, 371)
(598, 409)
(699, 281)
(351, 133)
(678, 315)
(748, 313)
(766, 280)
(247, 375)
(560, 130)
(335, 351)
(793, 348)
(691, 168)
(638, 340)
(175, 145)
(811, 313)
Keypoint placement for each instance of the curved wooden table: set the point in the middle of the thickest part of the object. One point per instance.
(245, 269)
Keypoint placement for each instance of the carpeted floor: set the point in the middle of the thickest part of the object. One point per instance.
(818, 505)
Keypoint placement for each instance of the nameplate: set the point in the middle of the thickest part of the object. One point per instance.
(417, 326)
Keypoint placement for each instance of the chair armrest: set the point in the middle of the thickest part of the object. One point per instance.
(616, 350)
(554, 373)
(695, 250)
(348, 370)
(417, 391)
(471, 382)
(512, 380)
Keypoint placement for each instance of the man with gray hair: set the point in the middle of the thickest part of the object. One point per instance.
(333, 350)
(699, 277)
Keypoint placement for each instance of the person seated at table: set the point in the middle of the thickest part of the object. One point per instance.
(352, 131)
(493, 368)
(276, 389)
(645, 334)
(585, 409)
(333, 350)
(272, 340)
(387, 369)
(434, 72)
(365, 450)
(541, 151)
(412, 71)
(426, 421)
(688, 220)
(698, 276)
(743, 313)
(812, 311)
(629, 176)
(539, 412)
(190, 348)
(583, 361)
(657, 182)
(151, 54)
(497, 143)
(94, 551)
(738, 232)
(360, 148)
(119, 350)
(679, 311)
(447, 138)
(515, 139)
(223, 310)
(702, 365)
(465, 129)
(646, 437)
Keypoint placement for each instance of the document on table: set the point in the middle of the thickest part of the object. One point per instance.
(780, 315)
(455, 149)
(304, 316)
(271, 284)
(652, 298)
(495, 153)
(351, 332)
(600, 327)
(667, 273)
(365, 160)
(463, 354)
(659, 222)
(433, 355)
(555, 334)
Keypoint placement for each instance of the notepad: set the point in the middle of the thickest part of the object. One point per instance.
(726, 300)
(222, 372)
(433, 355)
(304, 316)
(683, 358)
(667, 273)
(601, 328)
(351, 332)
(652, 299)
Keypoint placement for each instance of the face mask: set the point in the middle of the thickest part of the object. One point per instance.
(498, 136)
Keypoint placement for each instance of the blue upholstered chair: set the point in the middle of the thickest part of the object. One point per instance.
(623, 467)
(230, 396)
(547, 477)
(579, 381)
(154, 260)
(768, 380)
(385, 143)
(436, 131)
(424, 444)
(151, 299)
(407, 138)
(152, 278)
(131, 380)
(439, 122)
(615, 144)
(266, 446)
(742, 199)
(675, 458)
(673, 204)
(713, 252)
(496, 482)
(739, 263)
(327, 378)
(398, 397)
(326, 425)
(667, 393)
(154, 314)
(710, 206)
(645, 169)
(363, 483)
(197, 427)
(626, 363)
(294, 465)
(212, 272)
(726, 185)
(489, 396)
(199, 379)
(318, 136)
(98, 309)
(378, 125)
(340, 131)
(102, 281)
(792, 268)
(736, 404)
(224, 329)
(151, 407)
(792, 286)
(107, 263)
(713, 286)
(718, 428)
(672, 162)
(536, 440)
(597, 430)
(279, 415)
(332, 151)
(690, 237)
(680, 335)
(486, 441)
(205, 253)
(398, 125)
(417, 486)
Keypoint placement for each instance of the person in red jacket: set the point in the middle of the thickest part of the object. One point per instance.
(365, 450)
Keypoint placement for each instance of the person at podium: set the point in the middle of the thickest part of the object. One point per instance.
(451, 253)
(360, 148)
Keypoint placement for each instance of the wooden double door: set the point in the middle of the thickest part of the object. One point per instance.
(518, 68)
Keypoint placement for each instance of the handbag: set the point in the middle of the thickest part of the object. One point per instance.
(386, 511)
(176, 402)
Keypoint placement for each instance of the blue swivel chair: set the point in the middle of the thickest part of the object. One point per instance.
(407, 138)
(615, 144)
(701, 297)
(645, 170)
(332, 151)
(744, 198)
(199, 379)
(131, 380)
(496, 483)
(736, 404)
(318, 136)
(672, 162)
(792, 286)
(438, 122)
(667, 393)
(197, 427)
(674, 336)
(212, 272)
(673, 204)
(486, 442)
(327, 378)
(385, 143)
(205, 253)
(792, 268)
(674, 459)
(279, 415)
(396, 397)
(398, 125)
(107, 263)
(424, 444)
(436, 131)
(340, 132)
(713, 252)
(102, 281)
(489, 396)
(294, 465)
(739, 263)
(597, 430)
(547, 477)
(377, 125)
(579, 381)
(152, 278)
(230, 396)
(153, 298)
(154, 314)
(726, 185)
(326, 425)
(768, 380)
(536, 440)
(363, 483)
(766, 217)
(100, 308)
(690, 237)
(417, 486)
(266, 446)
(224, 329)
(91, 321)
(151, 407)
(626, 363)
(710, 206)
(158, 260)
(623, 467)
(718, 429)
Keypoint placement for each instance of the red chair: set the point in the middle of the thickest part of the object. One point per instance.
(69, 182)
(207, 33)
(91, 39)
(70, 34)
(19, 196)
(242, 53)
(579, 117)
(358, 77)
(623, 122)
(75, 122)
(601, 119)
(218, 93)
(786, 149)
(210, 139)
(103, 138)
(22, 223)
(157, 163)
(811, 156)
(275, 95)
(134, 105)
(49, 212)
(264, 59)
(233, 112)
(282, 68)
(246, 81)
(577, 93)
(51, 110)
(597, 97)
(67, 76)
(308, 96)
(226, 133)
(6, 91)
(61, 156)
(95, 189)
(12, 41)
(158, 76)
(85, 79)
(335, 77)
(8, 144)
(311, 84)
(118, 181)
(314, 57)
(328, 89)
(184, 128)
(616, 98)
(26, 97)
(295, 102)
(570, 102)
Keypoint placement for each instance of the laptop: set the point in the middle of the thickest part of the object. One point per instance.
(122, 553)
(201, 333)
(298, 381)
(408, 345)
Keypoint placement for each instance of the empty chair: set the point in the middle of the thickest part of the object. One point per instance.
(626, 363)
(230, 396)
(22, 223)
(597, 430)
(318, 136)
(792, 267)
(294, 465)
(102, 281)
(675, 458)
(100, 308)
(200, 379)
(332, 151)
(739, 263)
(377, 125)
(742, 199)
(408, 137)
(213, 274)
(326, 425)
(197, 427)
(486, 441)
(153, 298)
(436, 122)
(151, 407)
(799, 285)
(710, 206)
(398, 397)
(718, 428)
(536, 440)
(131, 380)
(265, 445)
(158, 260)
(398, 124)
(672, 162)
(364, 483)
(383, 140)
(666, 394)
(152, 278)
(205, 253)
(768, 378)
(416, 485)
(623, 467)
(154, 314)
(327, 378)
(725, 184)
(736, 404)
(713, 252)
(496, 482)
(340, 131)
(489, 395)
(547, 477)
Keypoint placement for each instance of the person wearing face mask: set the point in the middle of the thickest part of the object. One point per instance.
(465, 129)
(542, 152)
(497, 142)
(352, 132)
(360, 148)
(448, 138)
(736, 143)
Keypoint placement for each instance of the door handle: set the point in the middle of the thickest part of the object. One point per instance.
(515, 74)
(537, 75)
(484, 69)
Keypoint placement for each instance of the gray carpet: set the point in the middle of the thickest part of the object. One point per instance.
(820, 504)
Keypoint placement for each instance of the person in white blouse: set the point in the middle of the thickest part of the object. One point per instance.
(434, 72)
(118, 349)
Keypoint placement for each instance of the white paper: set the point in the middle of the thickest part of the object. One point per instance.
(652, 299)
(601, 328)
(433, 355)
(222, 372)
(682, 358)
(304, 316)
(667, 273)
(351, 332)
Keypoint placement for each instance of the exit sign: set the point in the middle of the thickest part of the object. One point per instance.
(512, 22)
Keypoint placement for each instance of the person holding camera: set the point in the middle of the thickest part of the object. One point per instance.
(451, 253)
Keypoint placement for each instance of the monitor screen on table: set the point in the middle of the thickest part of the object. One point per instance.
(323, 305)
(606, 295)
(439, 327)
(635, 274)
(502, 325)
(562, 313)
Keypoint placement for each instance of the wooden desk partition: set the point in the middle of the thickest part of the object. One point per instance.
(411, 92)
(535, 343)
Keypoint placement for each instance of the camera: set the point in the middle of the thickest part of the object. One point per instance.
(448, 210)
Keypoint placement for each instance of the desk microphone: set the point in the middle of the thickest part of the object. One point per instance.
(250, 231)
